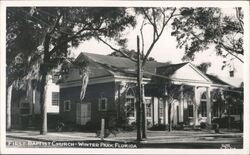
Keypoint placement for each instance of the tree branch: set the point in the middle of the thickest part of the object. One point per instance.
(228, 49)
(157, 38)
(124, 54)
(154, 26)
(66, 41)
(142, 38)
(55, 24)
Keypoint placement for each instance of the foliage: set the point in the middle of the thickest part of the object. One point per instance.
(198, 28)
(159, 127)
(204, 67)
(44, 36)
(65, 27)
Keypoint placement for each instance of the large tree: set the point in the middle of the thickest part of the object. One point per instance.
(157, 19)
(200, 28)
(45, 35)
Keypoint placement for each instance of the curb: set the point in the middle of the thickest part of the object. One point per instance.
(29, 138)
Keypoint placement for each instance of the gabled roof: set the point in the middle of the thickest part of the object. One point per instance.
(104, 65)
(169, 69)
(216, 80)
(116, 65)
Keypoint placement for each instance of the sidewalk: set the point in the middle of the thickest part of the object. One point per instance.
(152, 136)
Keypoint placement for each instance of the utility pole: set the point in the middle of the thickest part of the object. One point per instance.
(138, 104)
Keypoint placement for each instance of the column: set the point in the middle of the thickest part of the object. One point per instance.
(156, 115)
(181, 107)
(165, 114)
(195, 106)
(208, 105)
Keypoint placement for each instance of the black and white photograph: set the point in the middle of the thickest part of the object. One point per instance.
(125, 77)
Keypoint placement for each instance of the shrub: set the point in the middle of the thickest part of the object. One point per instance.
(60, 126)
(203, 125)
(107, 133)
(223, 122)
(179, 126)
(159, 127)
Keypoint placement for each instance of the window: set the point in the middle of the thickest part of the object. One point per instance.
(55, 98)
(130, 107)
(67, 106)
(148, 108)
(130, 103)
(161, 108)
(25, 108)
(103, 104)
(190, 108)
(203, 105)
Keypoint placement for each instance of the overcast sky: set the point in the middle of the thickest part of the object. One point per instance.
(165, 50)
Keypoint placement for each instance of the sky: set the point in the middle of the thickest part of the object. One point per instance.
(165, 50)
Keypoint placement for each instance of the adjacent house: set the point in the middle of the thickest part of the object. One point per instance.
(112, 93)
(25, 109)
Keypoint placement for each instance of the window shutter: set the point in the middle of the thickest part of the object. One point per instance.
(99, 104)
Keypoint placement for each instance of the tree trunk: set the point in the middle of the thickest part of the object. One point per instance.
(43, 129)
(138, 104)
(8, 107)
(43, 73)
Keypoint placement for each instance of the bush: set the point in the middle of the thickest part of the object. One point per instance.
(60, 126)
(130, 127)
(179, 126)
(159, 127)
(223, 122)
(215, 127)
(107, 133)
(204, 125)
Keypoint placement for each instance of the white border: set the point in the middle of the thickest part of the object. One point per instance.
(243, 4)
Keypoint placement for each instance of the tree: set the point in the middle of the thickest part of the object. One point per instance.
(199, 28)
(21, 41)
(54, 30)
(157, 19)
(204, 67)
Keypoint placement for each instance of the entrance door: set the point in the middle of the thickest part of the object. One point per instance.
(83, 113)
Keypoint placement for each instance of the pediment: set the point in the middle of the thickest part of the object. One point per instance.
(190, 73)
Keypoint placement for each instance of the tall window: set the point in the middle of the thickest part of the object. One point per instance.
(103, 104)
(67, 106)
(55, 98)
(190, 108)
(203, 105)
(148, 107)
(161, 108)
(130, 107)
(130, 103)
